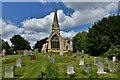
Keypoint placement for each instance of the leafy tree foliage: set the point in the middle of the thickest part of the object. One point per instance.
(113, 51)
(5, 46)
(19, 43)
(39, 44)
(80, 41)
(103, 34)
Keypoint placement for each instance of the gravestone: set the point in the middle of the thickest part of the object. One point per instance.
(30, 52)
(88, 68)
(100, 68)
(106, 60)
(25, 53)
(70, 52)
(33, 57)
(36, 51)
(77, 52)
(3, 53)
(19, 63)
(70, 69)
(51, 60)
(9, 72)
(61, 52)
(111, 67)
(96, 61)
(114, 59)
(81, 61)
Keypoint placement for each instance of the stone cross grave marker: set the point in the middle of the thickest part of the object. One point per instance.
(114, 59)
(70, 69)
(51, 59)
(111, 67)
(9, 72)
(81, 61)
(88, 68)
(106, 60)
(19, 63)
(3, 53)
(96, 61)
(33, 57)
(61, 52)
(100, 68)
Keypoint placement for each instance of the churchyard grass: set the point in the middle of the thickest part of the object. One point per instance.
(32, 69)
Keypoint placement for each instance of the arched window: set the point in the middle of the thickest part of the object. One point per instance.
(55, 43)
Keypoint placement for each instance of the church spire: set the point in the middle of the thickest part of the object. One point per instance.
(55, 24)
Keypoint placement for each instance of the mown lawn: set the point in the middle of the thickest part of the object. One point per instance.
(32, 69)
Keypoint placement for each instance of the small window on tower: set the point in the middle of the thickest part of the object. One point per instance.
(67, 47)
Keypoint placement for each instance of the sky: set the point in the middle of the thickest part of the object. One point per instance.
(33, 20)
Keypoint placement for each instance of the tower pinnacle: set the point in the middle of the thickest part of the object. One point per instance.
(55, 24)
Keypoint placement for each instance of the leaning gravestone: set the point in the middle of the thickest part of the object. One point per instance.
(33, 57)
(96, 61)
(114, 59)
(9, 72)
(88, 68)
(81, 61)
(19, 63)
(61, 52)
(51, 60)
(100, 68)
(111, 67)
(70, 69)
(106, 60)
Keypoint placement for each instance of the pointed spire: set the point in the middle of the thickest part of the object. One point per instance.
(55, 20)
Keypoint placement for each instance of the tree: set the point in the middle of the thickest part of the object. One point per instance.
(19, 43)
(80, 41)
(103, 34)
(39, 44)
(5, 46)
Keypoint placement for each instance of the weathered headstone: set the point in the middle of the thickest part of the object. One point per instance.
(51, 60)
(70, 69)
(61, 52)
(114, 59)
(9, 72)
(70, 52)
(19, 63)
(3, 53)
(100, 68)
(77, 52)
(111, 67)
(81, 61)
(96, 61)
(88, 68)
(33, 57)
(30, 52)
(36, 51)
(44, 48)
(25, 53)
(106, 60)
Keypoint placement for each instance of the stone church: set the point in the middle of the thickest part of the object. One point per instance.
(56, 42)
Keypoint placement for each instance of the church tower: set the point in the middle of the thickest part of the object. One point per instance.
(55, 25)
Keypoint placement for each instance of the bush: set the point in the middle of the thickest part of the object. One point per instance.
(113, 51)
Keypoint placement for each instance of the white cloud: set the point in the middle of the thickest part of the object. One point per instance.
(8, 29)
(70, 34)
